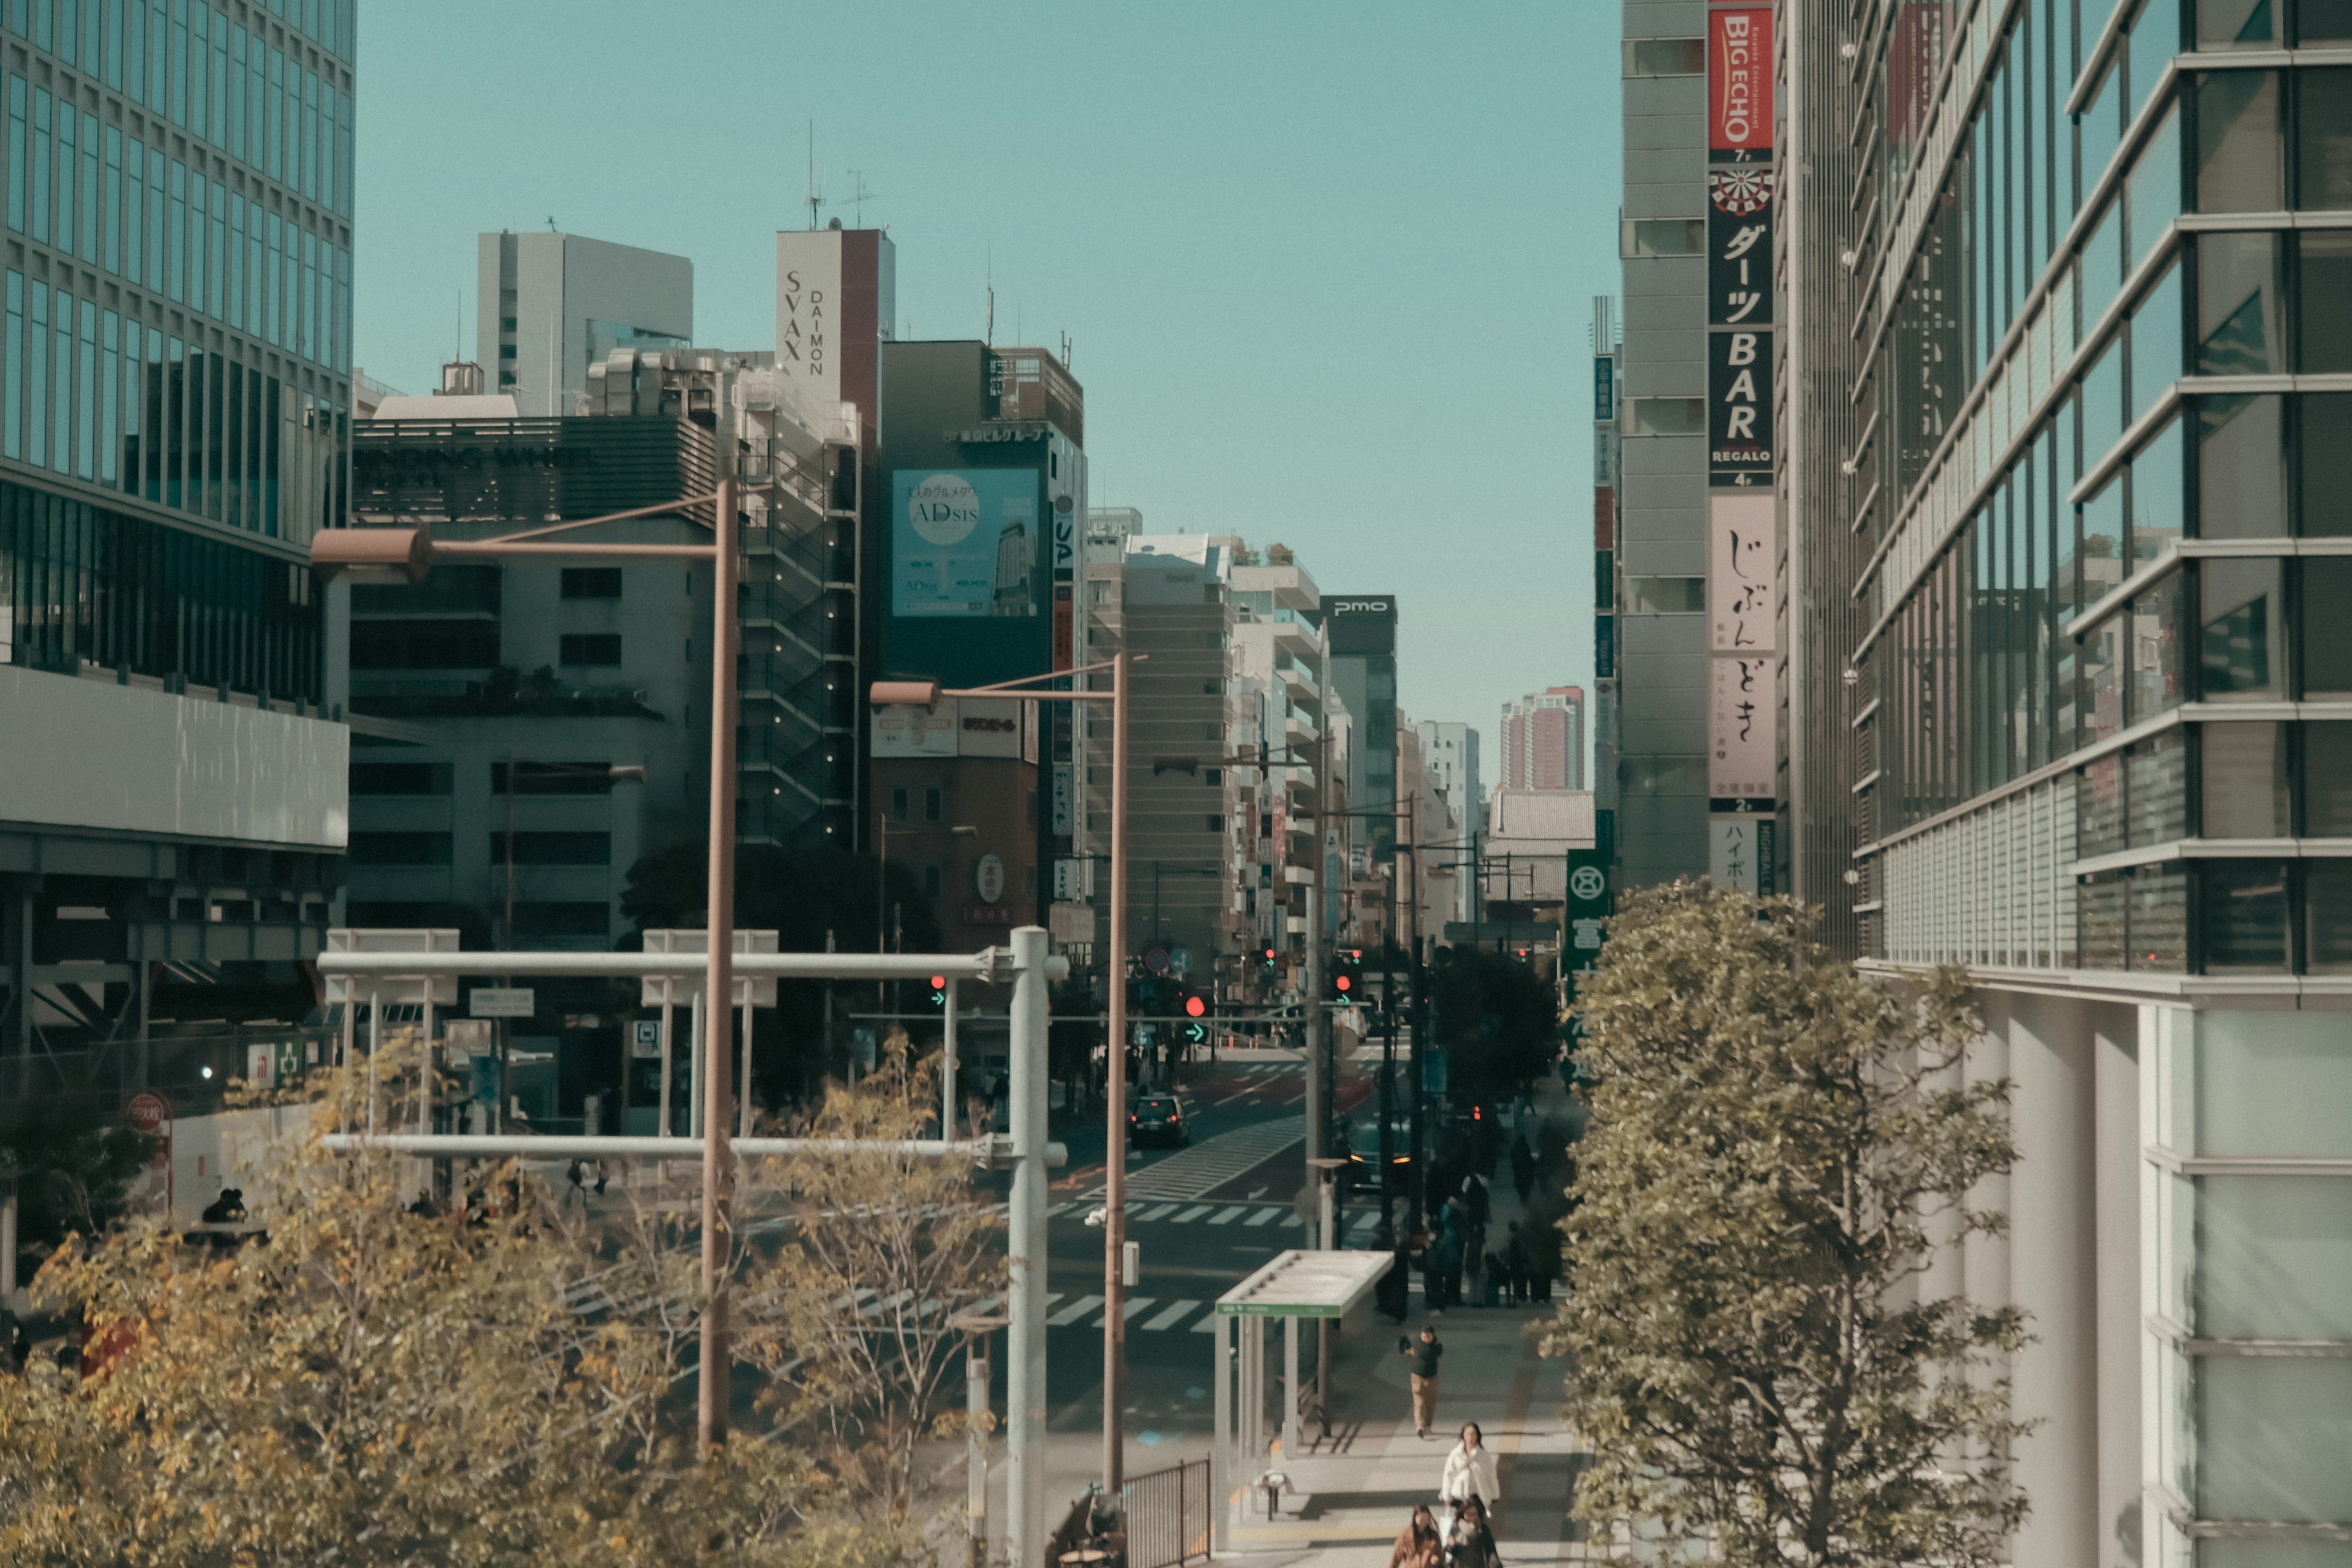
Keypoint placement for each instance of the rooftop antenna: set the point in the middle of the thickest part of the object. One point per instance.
(858, 194)
(550, 223)
(991, 275)
(815, 197)
(1066, 351)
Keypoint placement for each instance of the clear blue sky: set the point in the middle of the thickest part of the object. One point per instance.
(1327, 267)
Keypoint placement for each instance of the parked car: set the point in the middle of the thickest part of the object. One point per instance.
(1157, 1118)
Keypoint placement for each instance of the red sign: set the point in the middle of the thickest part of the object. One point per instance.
(1739, 81)
(148, 1110)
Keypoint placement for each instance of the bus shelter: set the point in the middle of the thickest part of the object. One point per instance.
(1293, 1285)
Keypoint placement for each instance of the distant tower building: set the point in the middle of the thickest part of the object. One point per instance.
(547, 306)
(1543, 740)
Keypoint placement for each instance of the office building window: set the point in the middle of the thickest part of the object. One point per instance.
(2241, 642)
(401, 778)
(898, 802)
(592, 582)
(588, 648)
(1661, 236)
(545, 919)
(2327, 917)
(2243, 780)
(1665, 57)
(399, 848)
(545, 849)
(931, 803)
(2241, 910)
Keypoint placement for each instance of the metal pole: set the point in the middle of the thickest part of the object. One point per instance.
(1289, 1388)
(1220, 1449)
(743, 1109)
(375, 1044)
(975, 1487)
(668, 1001)
(9, 1247)
(1025, 1388)
(694, 1074)
(948, 1069)
(712, 1399)
(1114, 1379)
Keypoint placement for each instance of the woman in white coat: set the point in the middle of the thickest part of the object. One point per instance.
(1470, 1471)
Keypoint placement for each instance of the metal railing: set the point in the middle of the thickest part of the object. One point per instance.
(1168, 1516)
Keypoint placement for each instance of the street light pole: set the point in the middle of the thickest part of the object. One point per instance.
(409, 553)
(925, 694)
(713, 1400)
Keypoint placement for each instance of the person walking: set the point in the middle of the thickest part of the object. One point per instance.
(1471, 1540)
(603, 1175)
(1523, 1166)
(578, 1177)
(1418, 1544)
(1469, 1473)
(1421, 1355)
(1521, 1262)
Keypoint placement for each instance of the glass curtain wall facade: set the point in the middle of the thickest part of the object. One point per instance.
(174, 372)
(2098, 480)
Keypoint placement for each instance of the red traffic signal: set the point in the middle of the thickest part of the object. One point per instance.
(1342, 984)
(939, 981)
(1194, 1007)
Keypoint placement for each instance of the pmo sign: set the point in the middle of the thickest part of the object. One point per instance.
(1361, 622)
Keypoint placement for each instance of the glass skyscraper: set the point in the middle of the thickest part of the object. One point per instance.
(2065, 492)
(176, 273)
(174, 394)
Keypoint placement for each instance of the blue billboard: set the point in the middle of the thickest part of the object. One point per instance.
(964, 541)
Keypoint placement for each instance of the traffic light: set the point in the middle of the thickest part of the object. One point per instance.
(1268, 959)
(940, 993)
(1347, 974)
(1194, 1007)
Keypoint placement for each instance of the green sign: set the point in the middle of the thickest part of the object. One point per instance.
(1588, 903)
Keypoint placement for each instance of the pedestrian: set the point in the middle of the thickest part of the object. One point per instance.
(1520, 1261)
(1500, 1287)
(1418, 1544)
(1523, 1166)
(577, 1178)
(1471, 1540)
(1469, 1472)
(1421, 1355)
(601, 1175)
(1475, 1200)
(1473, 1267)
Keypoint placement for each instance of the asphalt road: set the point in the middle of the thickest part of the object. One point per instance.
(1205, 1217)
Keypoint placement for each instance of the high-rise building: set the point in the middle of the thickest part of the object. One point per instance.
(1652, 625)
(1362, 639)
(1449, 760)
(1543, 740)
(2068, 679)
(985, 470)
(173, 428)
(547, 306)
(1284, 704)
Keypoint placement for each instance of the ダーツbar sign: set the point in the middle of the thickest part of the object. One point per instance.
(1739, 82)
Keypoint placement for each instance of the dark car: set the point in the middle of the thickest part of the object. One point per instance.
(1364, 1151)
(1158, 1119)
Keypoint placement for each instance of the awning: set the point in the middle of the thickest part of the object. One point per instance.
(1307, 1285)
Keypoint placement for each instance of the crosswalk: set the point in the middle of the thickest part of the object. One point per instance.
(1194, 1172)
(1066, 1311)
(1357, 1228)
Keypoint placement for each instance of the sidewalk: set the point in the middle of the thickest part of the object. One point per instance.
(1353, 1491)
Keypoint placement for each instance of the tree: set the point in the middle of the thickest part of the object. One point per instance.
(1497, 1017)
(1772, 1134)
(76, 1161)
(850, 1318)
(371, 1385)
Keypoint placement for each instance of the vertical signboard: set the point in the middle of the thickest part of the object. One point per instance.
(1741, 852)
(1742, 592)
(1739, 407)
(1740, 246)
(1739, 83)
(1740, 570)
(808, 310)
(1742, 725)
